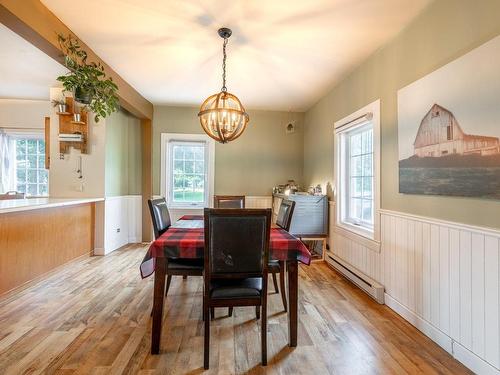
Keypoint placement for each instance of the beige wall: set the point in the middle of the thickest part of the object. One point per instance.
(443, 32)
(261, 158)
(123, 155)
(20, 113)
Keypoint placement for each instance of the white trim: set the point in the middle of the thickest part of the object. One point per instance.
(354, 236)
(451, 224)
(164, 176)
(358, 118)
(460, 353)
(422, 325)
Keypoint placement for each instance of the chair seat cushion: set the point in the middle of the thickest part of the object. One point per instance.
(236, 288)
(185, 264)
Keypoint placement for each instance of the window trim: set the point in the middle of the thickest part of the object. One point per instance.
(166, 178)
(357, 119)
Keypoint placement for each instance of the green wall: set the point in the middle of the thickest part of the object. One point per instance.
(123, 155)
(444, 31)
(261, 158)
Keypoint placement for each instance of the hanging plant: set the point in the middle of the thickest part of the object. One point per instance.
(87, 81)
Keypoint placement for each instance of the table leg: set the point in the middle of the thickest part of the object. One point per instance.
(293, 300)
(159, 291)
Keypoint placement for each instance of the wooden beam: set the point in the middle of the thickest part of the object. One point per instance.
(147, 177)
(38, 25)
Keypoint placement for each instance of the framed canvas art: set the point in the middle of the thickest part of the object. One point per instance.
(449, 128)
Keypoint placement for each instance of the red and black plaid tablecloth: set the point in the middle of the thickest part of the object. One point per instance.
(190, 242)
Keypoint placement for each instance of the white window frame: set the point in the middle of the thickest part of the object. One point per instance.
(166, 165)
(358, 119)
(26, 134)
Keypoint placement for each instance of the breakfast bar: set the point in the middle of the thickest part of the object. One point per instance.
(41, 234)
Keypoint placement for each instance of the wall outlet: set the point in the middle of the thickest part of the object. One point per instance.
(117, 230)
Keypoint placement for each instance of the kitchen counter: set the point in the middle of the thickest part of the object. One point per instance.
(15, 205)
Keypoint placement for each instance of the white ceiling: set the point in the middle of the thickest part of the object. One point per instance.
(25, 71)
(282, 55)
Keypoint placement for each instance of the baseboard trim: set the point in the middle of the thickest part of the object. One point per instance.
(459, 352)
(98, 251)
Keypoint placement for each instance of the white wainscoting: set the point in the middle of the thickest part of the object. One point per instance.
(443, 278)
(354, 250)
(258, 201)
(251, 201)
(122, 222)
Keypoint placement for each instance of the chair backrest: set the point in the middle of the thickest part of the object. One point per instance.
(159, 215)
(12, 195)
(229, 201)
(236, 242)
(285, 214)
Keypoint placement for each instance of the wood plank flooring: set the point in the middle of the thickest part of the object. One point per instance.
(92, 317)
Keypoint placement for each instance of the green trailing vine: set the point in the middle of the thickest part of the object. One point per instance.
(87, 81)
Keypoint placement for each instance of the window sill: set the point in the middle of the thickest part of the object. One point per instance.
(358, 235)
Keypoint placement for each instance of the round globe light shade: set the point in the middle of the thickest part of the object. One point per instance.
(223, 117)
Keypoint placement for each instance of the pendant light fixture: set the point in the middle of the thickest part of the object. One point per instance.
(222, 116)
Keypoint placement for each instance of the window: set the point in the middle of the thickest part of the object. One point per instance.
(359, 173)
(31, 176)
(187, 170)
(22, 162)
(356, 171)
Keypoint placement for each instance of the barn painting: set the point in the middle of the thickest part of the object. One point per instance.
(449, 128)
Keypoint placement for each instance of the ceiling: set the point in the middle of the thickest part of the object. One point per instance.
(283, 54)
(25, 71)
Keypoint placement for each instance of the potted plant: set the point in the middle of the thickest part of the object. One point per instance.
(87, 81)
(60, 104)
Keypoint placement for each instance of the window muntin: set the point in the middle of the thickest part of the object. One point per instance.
(358, 176)
(188, 172)
(31, 176)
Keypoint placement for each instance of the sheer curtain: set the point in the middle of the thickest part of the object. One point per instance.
(7, 163)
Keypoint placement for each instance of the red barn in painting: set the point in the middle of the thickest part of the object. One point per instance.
(440, 134)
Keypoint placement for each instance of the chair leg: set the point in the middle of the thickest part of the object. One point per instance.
(206, 346)
(169, 279)
(282, 284)
(257, 312)
(264, 334)
(276, 290)
(212, 313)
(230, 311)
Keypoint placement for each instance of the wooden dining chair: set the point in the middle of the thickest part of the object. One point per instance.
(178, 266)
(235, 271)
(284, 221)
(229, 201)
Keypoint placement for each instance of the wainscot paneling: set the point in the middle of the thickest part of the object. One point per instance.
(258, 201)
(364, 257)
(443, 277)
(263, 201)
(122, 222)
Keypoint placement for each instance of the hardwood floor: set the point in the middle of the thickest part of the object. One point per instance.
(94, 317)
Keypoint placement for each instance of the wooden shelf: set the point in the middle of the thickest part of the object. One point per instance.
(68, 126)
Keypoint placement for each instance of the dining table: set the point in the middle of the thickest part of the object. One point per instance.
(185, 239)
